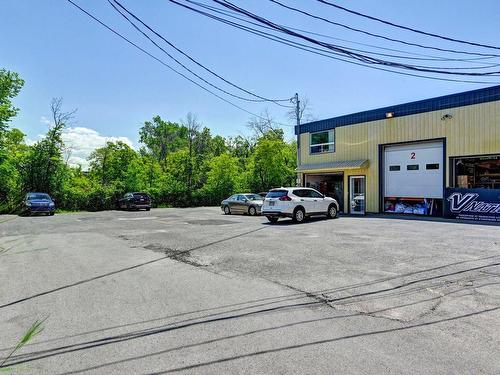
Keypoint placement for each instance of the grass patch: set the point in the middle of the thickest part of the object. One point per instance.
(35, 329)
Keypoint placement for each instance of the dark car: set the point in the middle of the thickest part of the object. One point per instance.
(247, 203)
(135, 201)
(39, 202)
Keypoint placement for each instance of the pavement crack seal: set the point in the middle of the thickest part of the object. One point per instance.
(178, 255)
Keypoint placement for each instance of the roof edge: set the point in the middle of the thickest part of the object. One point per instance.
(488, 94)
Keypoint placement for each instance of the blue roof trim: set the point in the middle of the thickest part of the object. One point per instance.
(488, 94)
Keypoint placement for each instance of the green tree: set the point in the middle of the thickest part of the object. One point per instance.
(272, 164)
(223, 178)
(162, 137)
(116, 164)
(43, 168)
(10, 85)
(11, 154)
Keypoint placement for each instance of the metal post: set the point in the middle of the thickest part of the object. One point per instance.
(297, 115)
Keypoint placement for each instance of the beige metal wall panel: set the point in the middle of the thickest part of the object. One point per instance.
(472, 130)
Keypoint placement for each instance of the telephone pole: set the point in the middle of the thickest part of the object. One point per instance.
(295, 100)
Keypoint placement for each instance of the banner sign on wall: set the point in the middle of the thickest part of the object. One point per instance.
(472, 204)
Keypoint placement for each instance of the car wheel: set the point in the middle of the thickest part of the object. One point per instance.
(128, 207)
(272, 219)
(252, 211)
(299, 215)
(52, 214)
(332, 212)
(149, 208)
(227, 210)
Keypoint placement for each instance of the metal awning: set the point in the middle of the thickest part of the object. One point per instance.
(334, 165)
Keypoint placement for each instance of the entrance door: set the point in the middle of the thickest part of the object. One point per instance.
(329, 184)
(357, 194)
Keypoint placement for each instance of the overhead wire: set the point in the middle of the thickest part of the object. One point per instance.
(261, 98)
(315, 50)
(232, 14)
(109, 28)
(485, 66)
(408, 28)
(183, 65)
(347, 53)
(294, 9)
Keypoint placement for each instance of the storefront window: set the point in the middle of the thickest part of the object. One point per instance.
(477, 172)
(323, 142)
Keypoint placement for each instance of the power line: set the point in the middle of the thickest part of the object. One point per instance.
(408, 28)
(180, 63)
(164, 63)
(233, 15)
(377, 35)
(315, 50)
(275, 101)
(352, 55)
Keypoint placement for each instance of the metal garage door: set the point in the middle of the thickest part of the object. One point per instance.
(414, 170)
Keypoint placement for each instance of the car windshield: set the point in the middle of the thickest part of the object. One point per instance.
(38, 197)
(253, 197)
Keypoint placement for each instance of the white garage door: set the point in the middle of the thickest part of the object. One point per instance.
(414, 170)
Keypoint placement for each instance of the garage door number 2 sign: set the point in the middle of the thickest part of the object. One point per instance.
(413, 155)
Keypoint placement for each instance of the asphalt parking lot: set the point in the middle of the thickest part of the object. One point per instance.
(195, 291)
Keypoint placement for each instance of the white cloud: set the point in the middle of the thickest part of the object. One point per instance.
(81, 141)
(45, 120)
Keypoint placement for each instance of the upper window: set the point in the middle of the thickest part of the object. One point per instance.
(322, 142)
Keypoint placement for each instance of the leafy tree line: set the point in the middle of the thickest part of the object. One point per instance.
(178, 164)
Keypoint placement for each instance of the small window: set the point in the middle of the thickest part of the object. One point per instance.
(394, 168)
(412, 167)
(299, 192)
(432, 166)
(322, 142)
(315, 194)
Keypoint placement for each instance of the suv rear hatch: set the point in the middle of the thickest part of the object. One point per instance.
(276, 200)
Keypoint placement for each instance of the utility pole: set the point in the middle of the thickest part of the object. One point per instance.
(295, 100)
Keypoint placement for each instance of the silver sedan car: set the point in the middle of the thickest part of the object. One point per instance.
(245, 203)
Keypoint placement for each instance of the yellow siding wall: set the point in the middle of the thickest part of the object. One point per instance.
(473, 130)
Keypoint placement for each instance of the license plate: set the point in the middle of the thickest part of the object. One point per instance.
(271, 203)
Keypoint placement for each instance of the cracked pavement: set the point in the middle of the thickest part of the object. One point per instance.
(194, 291)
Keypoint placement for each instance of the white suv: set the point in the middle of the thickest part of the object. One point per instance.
(298, 203)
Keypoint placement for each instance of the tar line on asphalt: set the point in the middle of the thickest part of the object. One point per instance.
(127, 268)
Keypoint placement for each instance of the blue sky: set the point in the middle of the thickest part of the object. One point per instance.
(62, 53)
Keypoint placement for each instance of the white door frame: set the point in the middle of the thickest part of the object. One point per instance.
(351, 194)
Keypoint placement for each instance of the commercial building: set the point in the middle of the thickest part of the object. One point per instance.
(408, 158)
